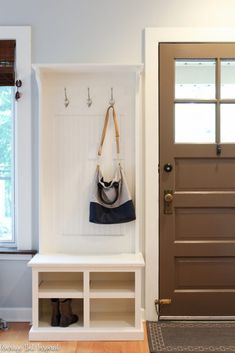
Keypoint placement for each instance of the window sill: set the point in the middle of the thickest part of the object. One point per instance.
(8, 254)
(18, 252)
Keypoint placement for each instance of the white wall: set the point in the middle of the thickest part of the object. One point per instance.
(105, 30)
(109, 31)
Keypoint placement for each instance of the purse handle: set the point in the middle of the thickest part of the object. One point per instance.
(100, 192)
(117, 135)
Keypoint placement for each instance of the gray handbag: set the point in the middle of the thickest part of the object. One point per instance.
(111, 201)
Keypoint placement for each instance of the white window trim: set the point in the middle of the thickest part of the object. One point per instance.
(23, 169)
(154, 36)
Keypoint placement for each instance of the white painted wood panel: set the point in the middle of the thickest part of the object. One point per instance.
(69, 263)
(69, 139)
(69, 244)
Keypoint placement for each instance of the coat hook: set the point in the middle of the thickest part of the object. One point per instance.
(66, 100)
(89, 100)
(112, 101)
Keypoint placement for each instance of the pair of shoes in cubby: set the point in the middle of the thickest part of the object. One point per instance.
(62, 313)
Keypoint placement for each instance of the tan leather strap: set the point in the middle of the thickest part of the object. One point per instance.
(117, 135)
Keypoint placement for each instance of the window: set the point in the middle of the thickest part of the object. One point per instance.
(7, 117)
(204, 101)
(15, 142)
(7, 189)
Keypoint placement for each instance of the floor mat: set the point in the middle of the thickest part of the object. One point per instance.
(191, 337)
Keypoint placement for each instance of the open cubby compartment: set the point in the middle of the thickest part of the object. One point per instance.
(112, 284)
(112, 313)
(45, 311)
(60, 285)
(68, 143)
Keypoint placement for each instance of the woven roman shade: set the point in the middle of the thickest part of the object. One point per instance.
(7, 62)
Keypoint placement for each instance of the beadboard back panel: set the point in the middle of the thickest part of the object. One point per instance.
(69, 140)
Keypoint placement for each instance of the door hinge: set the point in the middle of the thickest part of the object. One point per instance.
(218, 149)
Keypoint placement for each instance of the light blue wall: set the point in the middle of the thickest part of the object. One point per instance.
(15, 284)
(102, 31)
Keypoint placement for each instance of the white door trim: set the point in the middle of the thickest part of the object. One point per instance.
(153, 36)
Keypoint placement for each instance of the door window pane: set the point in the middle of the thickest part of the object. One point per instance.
(6, 164)
(195, 79)
(227, 79)
(227, 123)
(194, 123)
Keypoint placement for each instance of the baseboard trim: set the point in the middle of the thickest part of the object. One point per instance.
(16, 314)
(25, 314)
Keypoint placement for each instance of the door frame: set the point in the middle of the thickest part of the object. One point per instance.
(154, 36)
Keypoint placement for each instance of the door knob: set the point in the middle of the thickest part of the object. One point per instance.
(168, 197)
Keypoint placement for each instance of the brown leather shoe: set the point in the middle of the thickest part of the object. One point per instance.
(67, 317)
(55, 316)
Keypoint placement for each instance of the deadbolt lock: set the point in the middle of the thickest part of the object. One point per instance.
(168, 198)
(168, 167)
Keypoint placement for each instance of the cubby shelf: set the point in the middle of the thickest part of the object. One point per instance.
(105, 292)
(112, 289)
(117, 320)
(60, 289)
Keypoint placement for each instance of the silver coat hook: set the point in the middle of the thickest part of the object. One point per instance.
(112, 101)
(66, 100)
(89, 100)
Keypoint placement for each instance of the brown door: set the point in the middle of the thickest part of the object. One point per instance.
(197, 180)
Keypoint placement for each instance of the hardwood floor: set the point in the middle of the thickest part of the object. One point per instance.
(15, 339)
